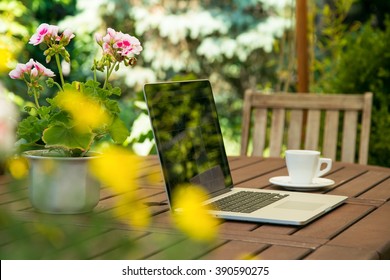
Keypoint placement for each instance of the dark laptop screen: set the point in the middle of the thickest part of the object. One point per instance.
(187, 134)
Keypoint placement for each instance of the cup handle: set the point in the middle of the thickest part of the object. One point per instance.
(328, 166)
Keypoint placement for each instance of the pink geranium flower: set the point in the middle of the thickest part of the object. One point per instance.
(53, 32)
(67, 35)
(99, 39)
(21, 69)
(128, 45)
(42, 70)
(119, 45)
(49, 34)
(43, 30)
(18, 72)
(32, 68)
(111, 33)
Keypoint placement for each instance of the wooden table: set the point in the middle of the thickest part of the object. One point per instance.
(358, 229)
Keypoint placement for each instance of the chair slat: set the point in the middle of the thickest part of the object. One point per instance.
(310, 101)
(259, 130)
(365, 131)
(312, 130)
(295, 129)
(276, 135)
(349, 136)
(246, 122)
(329, 146)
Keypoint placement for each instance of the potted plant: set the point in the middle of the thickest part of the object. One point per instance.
(61, 132)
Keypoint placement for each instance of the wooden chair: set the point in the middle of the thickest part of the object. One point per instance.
(285, 114)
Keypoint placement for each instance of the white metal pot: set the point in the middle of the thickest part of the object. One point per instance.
(61, 185)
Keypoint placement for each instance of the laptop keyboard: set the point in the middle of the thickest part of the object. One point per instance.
(246, 201)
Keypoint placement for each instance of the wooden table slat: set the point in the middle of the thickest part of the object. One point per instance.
(331, 224)
(277, 252)
(369, 233)
(361, 184)
(330, 252)
(236, 250)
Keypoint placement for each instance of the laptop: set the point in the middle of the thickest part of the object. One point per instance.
(190, 146)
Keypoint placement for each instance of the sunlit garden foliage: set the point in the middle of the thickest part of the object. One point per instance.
(236, 44)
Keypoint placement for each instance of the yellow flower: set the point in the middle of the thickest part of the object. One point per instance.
(118, 169)
(131, 210)
(193, 217)
(18, 167)
(85, 111)
(248, 256)
(6, 57)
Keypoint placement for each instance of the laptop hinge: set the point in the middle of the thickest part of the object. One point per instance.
(217, 193)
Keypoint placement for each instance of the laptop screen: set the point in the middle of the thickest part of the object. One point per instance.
(187, 134)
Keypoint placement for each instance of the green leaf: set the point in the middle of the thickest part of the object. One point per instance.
(28, 108)
(50, 82)
(61, 118)
(67, 138)
(30, 129)
(92, 84)
(112, 106)
(72, 86)
(119, 131)
(110, 90)
(44, 112)
(116, 91)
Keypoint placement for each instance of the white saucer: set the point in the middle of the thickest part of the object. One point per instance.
(285, 182)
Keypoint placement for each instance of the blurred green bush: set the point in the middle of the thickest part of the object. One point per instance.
(365, 66)
(354, 57)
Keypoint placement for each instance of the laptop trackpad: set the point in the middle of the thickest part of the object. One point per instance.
(300, 205)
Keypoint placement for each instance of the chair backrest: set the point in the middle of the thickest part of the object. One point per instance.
(307, 121)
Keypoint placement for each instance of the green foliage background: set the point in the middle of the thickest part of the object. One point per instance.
(232, 43)
(236, 44)
(353, 57)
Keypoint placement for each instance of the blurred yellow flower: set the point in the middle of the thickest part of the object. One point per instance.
(154, 175)
(193, 217)
(85, 111)
(118, 169)
(18, 167)
(248, 256)
(6, 57)
(132, 211)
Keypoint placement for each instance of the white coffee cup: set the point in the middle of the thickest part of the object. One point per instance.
(305, 165)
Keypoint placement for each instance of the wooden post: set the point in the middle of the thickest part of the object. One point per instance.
(302, 46)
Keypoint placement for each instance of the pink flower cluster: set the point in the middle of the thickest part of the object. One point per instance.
(118, 44)
(49, 33)
(117, 47)
(33, 69)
